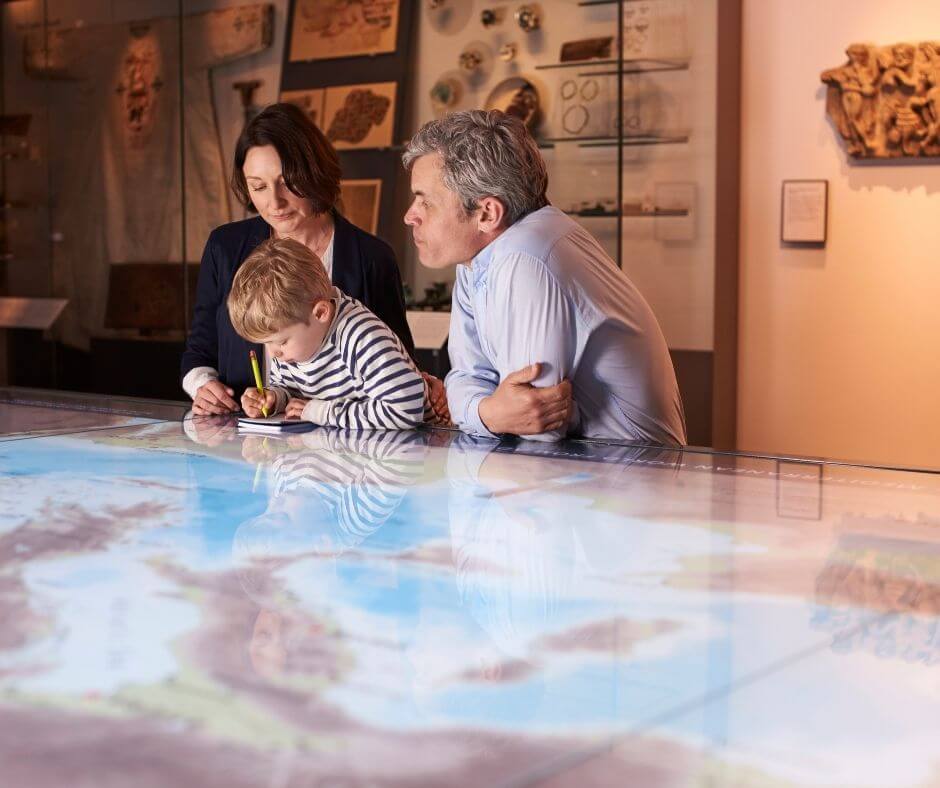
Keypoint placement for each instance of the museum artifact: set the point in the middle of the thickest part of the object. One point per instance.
(360, 116)
(508, 52)
(324, 29)
(310, 101)
(445, 94)
(528, 18)
(246, 91)
(885, 101)
(491, 16)
(518, 97)
(576, 117)
(117, 134)
(586, 49)
(470, 59)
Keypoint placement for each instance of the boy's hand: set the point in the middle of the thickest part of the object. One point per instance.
(252, 402)
(256, 450)
(295, 408)
(437, 394)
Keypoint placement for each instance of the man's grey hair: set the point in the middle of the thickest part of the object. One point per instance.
(485, 154)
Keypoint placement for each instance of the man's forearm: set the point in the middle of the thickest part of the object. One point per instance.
(488, 411)
(464, 395)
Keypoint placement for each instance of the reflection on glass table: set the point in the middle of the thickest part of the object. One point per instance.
(426, 608)
(31, 412)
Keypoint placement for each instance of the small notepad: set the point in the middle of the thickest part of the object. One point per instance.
(273, 425)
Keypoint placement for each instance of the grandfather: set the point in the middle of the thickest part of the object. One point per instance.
(537, 301)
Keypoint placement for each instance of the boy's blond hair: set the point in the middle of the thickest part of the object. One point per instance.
(276, 286)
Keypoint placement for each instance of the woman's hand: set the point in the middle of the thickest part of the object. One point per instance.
(253, 402)
(212, 430)
(214, 399)
(295, 408)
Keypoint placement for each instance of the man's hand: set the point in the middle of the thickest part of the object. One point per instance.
(437, 394)
(295, 408)
(253, 402)
(214, 399)
(519, 408)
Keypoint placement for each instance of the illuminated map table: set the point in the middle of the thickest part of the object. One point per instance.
(185, 606)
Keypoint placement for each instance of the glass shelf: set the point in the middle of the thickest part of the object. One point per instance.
(659, 213)
(644, 65)
(602, 142)
(605, 2)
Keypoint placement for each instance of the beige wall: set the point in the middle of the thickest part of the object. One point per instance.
(839, 347)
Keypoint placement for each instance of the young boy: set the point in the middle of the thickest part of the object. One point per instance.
(333, 362)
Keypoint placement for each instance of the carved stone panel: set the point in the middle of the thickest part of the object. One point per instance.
(885, 101)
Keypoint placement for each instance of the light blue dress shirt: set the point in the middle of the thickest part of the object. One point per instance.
(545, 291)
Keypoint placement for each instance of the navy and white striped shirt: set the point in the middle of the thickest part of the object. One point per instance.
(361, 378)
(361, 477)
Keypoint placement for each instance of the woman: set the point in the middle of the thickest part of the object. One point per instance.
(287, 169)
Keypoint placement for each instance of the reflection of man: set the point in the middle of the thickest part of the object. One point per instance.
(537, 301)
(528, 529)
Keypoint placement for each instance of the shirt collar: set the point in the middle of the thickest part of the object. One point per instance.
(481, 262)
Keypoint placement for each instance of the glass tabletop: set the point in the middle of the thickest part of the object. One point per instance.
(31, 412)
(427, 608)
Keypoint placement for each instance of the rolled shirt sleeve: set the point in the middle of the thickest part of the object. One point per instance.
(472, 376)
(537, 323)
(529, 319)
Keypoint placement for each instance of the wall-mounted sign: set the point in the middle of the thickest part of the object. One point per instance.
(803, 212)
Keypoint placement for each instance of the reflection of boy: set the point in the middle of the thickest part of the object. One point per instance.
(331, 490)
(360, 477)
(333, 362)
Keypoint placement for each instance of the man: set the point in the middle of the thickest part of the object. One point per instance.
(537, 302)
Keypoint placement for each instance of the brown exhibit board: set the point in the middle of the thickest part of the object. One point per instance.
(360, 116)
(310, 101)
(361, 200)
(326, 29)
(357, 96)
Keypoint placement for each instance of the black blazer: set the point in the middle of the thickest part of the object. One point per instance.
(364, 267)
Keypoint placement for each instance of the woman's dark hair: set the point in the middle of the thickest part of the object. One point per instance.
(308, 161)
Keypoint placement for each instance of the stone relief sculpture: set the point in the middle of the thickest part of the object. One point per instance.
(885, 101)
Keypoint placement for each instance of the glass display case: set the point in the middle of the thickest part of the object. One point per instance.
(117, 174)
(631, 103)
(119, 124)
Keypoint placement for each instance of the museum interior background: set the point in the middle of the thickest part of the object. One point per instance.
(815, 349)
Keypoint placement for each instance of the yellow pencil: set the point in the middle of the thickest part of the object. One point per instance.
(259, 466)
(254, 368)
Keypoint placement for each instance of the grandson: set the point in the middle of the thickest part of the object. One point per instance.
(333, 362)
